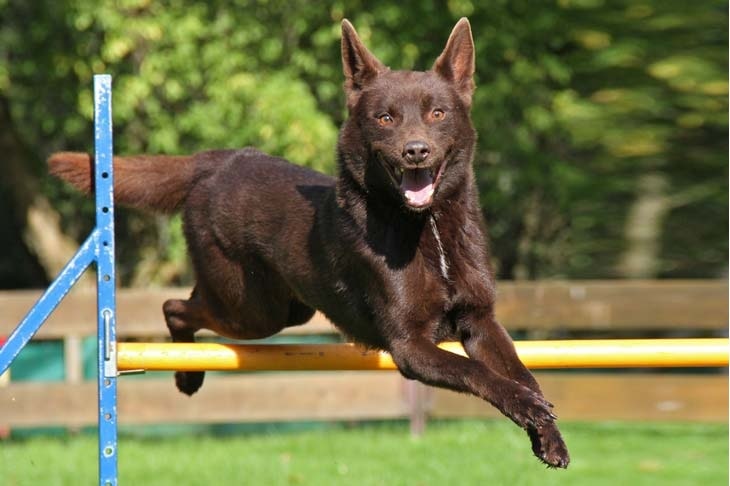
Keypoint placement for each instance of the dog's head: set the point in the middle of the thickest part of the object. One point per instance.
(409, 133)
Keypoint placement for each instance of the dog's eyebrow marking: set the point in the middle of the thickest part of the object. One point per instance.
(443, 263)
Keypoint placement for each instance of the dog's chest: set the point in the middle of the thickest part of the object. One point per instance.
(409, 279)
(441, 252)
(443, 260)
(456, 269)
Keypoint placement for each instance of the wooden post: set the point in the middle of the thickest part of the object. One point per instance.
(418, 397)
(72, 358)
(4, 381)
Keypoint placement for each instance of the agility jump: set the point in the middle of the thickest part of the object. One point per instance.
(114, 358)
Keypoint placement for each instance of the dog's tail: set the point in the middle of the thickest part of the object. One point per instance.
(159, 182)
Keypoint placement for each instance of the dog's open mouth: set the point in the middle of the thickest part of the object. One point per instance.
(416, 185)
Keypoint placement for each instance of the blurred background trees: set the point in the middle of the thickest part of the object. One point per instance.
(603, 125)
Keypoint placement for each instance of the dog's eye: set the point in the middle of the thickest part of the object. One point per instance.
(438, 114)
(385, 119)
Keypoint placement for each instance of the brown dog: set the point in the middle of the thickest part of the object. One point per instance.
(392, 251)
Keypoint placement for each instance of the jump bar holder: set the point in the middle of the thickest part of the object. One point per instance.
(97, 248)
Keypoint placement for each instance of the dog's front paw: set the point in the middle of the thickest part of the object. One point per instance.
(189, 382)
(548, 446)
(526, 408)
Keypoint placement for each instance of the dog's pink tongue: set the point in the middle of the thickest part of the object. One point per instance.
(417, 186)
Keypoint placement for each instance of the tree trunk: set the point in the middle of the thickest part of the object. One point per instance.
(643, 228)
(38, 220)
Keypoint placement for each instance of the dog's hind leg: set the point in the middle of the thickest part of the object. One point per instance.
(485, 340)
(184, 318)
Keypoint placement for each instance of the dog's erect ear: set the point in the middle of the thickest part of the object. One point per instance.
(358, 64)
(456, 63)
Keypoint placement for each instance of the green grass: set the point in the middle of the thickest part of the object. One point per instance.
(453, 453)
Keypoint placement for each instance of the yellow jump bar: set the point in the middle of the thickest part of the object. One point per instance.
(602, 353)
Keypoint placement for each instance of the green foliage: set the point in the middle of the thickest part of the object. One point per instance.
(189, 77)
(576, 101)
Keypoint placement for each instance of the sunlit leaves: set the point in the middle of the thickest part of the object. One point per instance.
(575, 100)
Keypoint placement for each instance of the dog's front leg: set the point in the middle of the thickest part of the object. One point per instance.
(485, 340)
(421, 359)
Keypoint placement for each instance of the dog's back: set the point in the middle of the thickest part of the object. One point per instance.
(254, 203)
(163, 182)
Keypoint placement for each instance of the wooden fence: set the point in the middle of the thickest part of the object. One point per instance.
(620, 309)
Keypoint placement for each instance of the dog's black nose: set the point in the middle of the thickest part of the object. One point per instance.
(416, 151)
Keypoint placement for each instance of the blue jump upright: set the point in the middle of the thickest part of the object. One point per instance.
(99, 248)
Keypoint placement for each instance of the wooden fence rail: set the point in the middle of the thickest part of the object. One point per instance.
(536, 309)
(536, 306)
